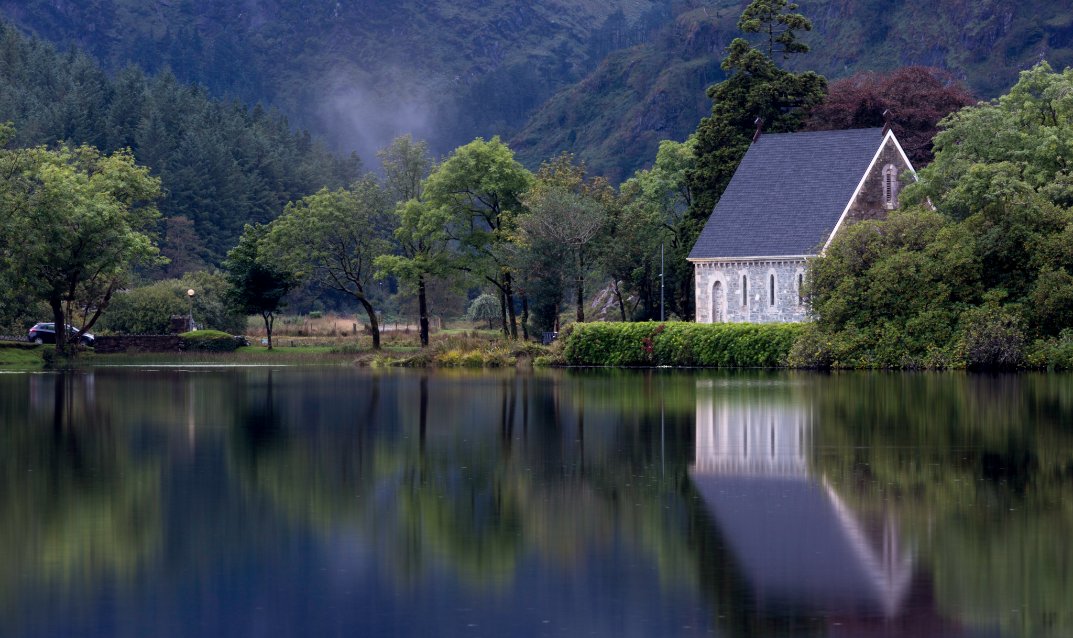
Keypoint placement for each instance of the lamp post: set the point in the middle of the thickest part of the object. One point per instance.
(190, 319)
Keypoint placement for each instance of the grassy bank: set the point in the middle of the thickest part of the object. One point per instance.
(22, 355)
(464, 352)
(680, 344)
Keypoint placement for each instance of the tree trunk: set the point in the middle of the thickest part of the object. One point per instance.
(525, 316)
(618, 295)
(374, 325)
(503, 312)
(100, 308)
(422, 310)
(580, 287)
(580, 300)
(267, 316)
(60, 323)
(508, 292)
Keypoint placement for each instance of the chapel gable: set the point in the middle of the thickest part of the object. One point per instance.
(882, 186)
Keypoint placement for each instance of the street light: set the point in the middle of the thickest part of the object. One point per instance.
(190, 294)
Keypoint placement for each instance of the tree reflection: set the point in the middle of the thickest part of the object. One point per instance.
(488, 478)
(978, 469)
(458, 484)
(78, 504)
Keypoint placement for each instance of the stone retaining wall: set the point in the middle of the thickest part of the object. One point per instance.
(138, 343)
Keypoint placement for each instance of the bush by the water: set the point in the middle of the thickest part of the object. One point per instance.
(148, 310)
(1053, 354)
(725, 345)
(210, 341)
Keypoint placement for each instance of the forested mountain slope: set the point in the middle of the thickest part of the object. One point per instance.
(606, 80)
(615, 117)
(221, 164)
(358, 71)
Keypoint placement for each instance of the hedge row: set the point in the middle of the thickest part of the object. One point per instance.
(724, 345)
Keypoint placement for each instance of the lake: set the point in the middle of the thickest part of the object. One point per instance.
(186, 501)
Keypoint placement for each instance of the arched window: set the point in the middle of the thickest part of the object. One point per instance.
(890, 187)
(744, 290)
(800, 288)
(718, 302)
(772, 289)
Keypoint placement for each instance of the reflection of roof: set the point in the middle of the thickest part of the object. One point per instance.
(799, 546)
(787, 194)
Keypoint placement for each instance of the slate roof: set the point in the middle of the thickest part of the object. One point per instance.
(787, 194)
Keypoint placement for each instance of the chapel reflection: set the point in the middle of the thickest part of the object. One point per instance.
(804, 557)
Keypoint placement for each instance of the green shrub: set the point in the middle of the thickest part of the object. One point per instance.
(1053, 354)
(991, 339)
(209, 341)
(812, 349)
(148, 309)
(681, 344)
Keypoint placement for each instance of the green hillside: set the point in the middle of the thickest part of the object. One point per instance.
(359, 73)
(615, 117)
(606, 80)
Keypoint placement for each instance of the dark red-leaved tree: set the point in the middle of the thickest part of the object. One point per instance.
(917, 97)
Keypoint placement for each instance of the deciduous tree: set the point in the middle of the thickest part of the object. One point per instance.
(420, 228)
(83, 221)
(567, 212)
(653, 212)
(916, 97)
(423, 252)
(479, 186)
(484, 308)
(334, 238)
(981, 260)
(258, 282)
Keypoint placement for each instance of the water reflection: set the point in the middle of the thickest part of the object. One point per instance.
(799, 546)
(326, 501)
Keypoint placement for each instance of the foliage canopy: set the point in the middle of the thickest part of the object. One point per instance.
(985, 273)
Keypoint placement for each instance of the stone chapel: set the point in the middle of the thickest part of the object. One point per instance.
(790, 196)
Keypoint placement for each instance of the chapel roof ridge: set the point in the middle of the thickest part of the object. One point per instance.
(788, 193)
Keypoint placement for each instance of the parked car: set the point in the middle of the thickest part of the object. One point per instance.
(46, 333)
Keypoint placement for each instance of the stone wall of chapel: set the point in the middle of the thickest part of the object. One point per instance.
(757, 307)
(869, 203)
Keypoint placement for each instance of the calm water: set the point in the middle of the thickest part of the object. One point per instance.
(339, 502)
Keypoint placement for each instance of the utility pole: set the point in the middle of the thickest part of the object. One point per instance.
(661, 277)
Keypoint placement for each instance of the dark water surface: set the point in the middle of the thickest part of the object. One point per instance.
(340, 502)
